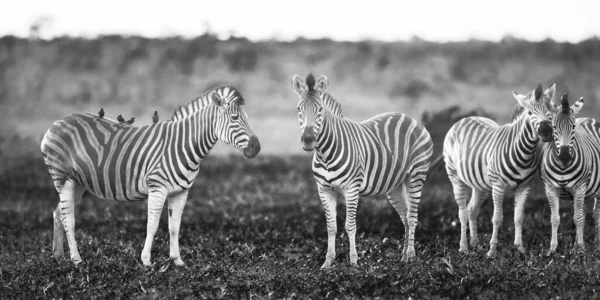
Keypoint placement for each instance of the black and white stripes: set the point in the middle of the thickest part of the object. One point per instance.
(388, 154)
(154, 162)
(570, 167)
(485, 157)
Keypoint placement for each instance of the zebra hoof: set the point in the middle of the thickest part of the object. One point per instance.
(327, 264)
(521, 249)
(491, 253)
(178, 262)
(549, 253)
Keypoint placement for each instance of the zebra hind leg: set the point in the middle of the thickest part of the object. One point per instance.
(412, 188)
(398, 200)
(69, 192)
(58, 239)
(460, 196)
(597, 222)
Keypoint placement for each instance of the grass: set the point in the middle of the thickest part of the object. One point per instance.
(256, 229)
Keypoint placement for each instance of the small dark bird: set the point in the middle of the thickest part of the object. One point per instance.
(101, 113)
(130, 121)
(155, 117)
(120, 119)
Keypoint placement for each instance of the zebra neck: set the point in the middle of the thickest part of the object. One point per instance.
(194, 136)
(524, 140)
(328, 141)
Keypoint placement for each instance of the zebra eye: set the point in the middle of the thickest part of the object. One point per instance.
(321, 109)
(235, 117)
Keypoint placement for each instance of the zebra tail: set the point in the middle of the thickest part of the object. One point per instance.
(435, 164)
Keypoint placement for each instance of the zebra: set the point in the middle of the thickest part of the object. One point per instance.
(570, 168)
(486, 157)
(157, 162)
(388, 154)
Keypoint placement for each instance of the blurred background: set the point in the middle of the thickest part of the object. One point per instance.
(434, 60)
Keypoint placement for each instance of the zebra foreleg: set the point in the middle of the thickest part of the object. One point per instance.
(553, 196)
(351, 196)
(413, 187)
(460, 196)
(477, 197)
(579, 216)
(520, 197)
(176, 205)
(329, 201)
(69, 193)
(156, 201)
(498, 196)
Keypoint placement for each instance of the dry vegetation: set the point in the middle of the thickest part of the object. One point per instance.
(255, 228)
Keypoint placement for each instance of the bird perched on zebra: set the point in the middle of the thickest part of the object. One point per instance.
(389, 154)
(570, 168)
(130, 121)
(156, 162)
(101, 113)
(120, 119)
(155, 117)
(486, 157)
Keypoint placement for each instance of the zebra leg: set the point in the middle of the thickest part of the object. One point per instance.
(69, 192)
(351, 196)
(329, 201)
(597, 222)
(498, 196)
(553, 196)
(460, 195)
(579, 216)
(58, 239)
(156, 201)
(176, 205)
(477, 198)
(520, 197)
(412, 188)
(398, 200)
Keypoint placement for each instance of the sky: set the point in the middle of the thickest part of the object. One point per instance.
(431, 20)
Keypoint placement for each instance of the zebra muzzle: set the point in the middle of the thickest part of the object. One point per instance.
(253, 147)
(564, 156)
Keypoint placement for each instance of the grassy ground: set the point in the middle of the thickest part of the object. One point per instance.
(255, 228)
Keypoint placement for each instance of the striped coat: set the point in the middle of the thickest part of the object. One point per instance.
(158, 162)
(485, 157)
(388, 154)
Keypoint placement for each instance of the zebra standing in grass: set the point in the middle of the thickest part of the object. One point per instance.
(388, 154)
(157, 162)
(486, 157)
(570, 167)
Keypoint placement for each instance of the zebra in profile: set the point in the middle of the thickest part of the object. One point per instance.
(486, 157)
(388, 154)
(570, 168)
(157, 162)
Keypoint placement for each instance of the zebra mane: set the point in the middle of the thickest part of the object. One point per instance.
(564, 102)
(333, 106)
(228, 93)
(310, 82)
(517, 112)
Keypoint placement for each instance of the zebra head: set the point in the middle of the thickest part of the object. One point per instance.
(564, 124)
(310, 107)
(232, 125)
(538, 107)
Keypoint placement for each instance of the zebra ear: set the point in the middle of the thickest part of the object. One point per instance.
(550, 92)
(523, 100)
(576, 107)
(322, 85)
(299, 86)
(216, 99)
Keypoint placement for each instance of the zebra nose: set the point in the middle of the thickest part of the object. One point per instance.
(307, 139)
(253, 147)
(565, 155)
